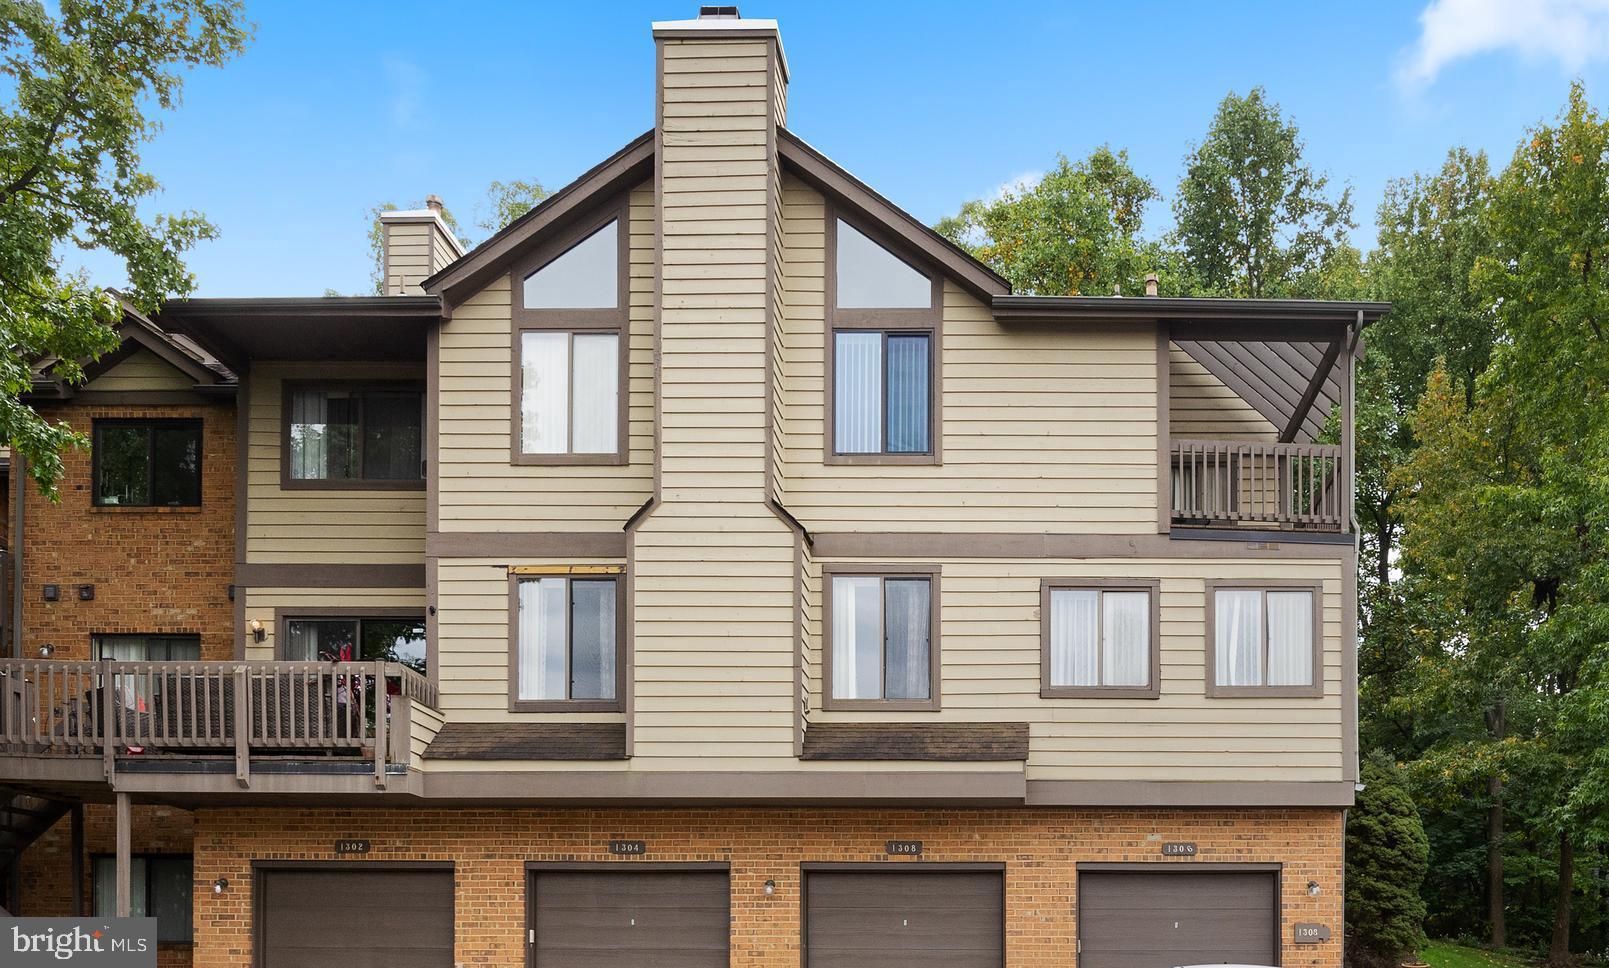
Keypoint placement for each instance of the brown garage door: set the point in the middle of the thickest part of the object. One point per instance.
(1136, 919)
(357, 917)
(630, 919)
(904, 919)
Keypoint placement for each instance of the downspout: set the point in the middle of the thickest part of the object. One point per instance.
(19, 495)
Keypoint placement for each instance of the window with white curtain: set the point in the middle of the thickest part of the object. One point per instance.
(566, 641)
(1263, 638)
(355, 436)
(881, 392)
(882, 638)
(569, 392)
(1099, 638)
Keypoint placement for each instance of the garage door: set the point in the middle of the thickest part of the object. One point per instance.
(369, 917)
(630, 919)
(1155, 920)
(904, 919)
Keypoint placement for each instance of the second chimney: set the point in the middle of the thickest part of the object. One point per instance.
(417, 244)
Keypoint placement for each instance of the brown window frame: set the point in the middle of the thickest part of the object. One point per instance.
(287, 395)
(383, 613)
(615, 705)
(150, 888)
(1216, 691)
(928, 322)
(616, 321)
(1152, 587)
(933, 574)
(99, 423)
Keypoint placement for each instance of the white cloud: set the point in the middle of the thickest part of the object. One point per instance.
(1570, 32)
(1016, 184)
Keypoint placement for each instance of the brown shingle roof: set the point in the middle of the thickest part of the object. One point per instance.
(953, 742)
(529, 741)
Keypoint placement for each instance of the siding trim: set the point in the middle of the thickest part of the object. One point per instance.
(934, 634)
(1216, 691)
(1164, 418)
(1028, 545)
(531, 544)
(324, 575)
(1152, 587)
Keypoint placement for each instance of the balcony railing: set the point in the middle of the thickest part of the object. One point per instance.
(357, 710)
(1219, 483)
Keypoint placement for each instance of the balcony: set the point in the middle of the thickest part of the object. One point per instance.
(65, 719)
(1267, 486)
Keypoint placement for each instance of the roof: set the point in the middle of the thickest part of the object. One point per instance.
(529, 741)
(376, 328)
(934, 742)
(136, 332)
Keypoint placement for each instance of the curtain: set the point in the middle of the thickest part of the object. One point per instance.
(907, 394)
(310, 417)
(103, 888)
(597, 393)
(1290, 638)
(1074, 630)
(1126, 638)
(1238, 637)
(543, 604)
(592, 640)
(856, 639)
(544, 393)
(858, 393)
(906, 615)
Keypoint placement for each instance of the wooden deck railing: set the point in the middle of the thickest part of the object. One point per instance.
(1224, 482)
(245, 709)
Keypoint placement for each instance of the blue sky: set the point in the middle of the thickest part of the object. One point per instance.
(340, 106)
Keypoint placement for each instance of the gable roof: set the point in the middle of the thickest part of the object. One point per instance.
(138, 333)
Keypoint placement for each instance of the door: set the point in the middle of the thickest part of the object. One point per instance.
(362, 916)
(629, 919)
(1140, 919)
(904, 918)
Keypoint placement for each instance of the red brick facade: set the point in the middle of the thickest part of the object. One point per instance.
(1040, 849)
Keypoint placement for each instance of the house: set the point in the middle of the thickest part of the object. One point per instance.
(716, 566)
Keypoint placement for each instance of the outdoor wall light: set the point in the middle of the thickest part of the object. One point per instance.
(1313, 888)
(257, 632)
(46, 651)
(220, 885)
(770, 888)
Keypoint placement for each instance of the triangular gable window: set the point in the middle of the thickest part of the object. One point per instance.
(871, 277)
(586, 276)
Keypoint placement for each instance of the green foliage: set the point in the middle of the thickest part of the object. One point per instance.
(1387, 857)
(1252, 216)
(507, 201)
(82, 79)
(1075, 232)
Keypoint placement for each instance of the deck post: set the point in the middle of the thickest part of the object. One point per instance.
(78, 860)
(381, 706)
(124, 861)
(242, 727)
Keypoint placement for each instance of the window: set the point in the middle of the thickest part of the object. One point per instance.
(881, 392)
(354, 436)
(159, 887)
(1100, 639)
(134, 691)
(570, 345)
(882, 651)
(147, 463)
(569, 393)
(1264, 641)
(362, 639)
(882, 353)
(567, 632)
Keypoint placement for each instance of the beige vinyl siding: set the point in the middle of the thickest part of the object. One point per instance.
(1044, 429)
(143, 370)
(423, 725)
(1201, 407)
(262, 604)
(443, 254)
(990, 651)
(322, 526)
(480, 489)
(714, 568)
(472, 641)
(407, 258)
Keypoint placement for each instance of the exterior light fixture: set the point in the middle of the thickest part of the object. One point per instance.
(46, 651)
(257, 631)
(220, 885)
(1313, 888)
(770, 888)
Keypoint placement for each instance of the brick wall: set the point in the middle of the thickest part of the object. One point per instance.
(1040, 849)
(157, 570)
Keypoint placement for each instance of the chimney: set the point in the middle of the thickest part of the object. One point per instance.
(417, 244)
(1150, 283)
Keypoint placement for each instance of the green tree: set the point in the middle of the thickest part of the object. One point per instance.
(1252, 216)
(1075, 232)
(83, 80)
(507, 201)
(1387, 856)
